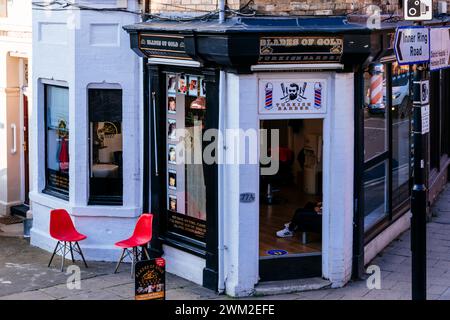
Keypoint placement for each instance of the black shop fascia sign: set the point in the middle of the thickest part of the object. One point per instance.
(163, 46)
(263, 50)
(238, 44)
(300, 49)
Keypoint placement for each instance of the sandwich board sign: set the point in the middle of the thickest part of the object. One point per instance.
(150, 279)
(412, 45)
(440, 48)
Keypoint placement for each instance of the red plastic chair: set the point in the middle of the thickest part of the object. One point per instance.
(141, 237)
(63, 230)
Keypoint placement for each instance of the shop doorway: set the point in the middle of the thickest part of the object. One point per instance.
(290, 230)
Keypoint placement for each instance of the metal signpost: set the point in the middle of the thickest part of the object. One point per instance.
(412, 47)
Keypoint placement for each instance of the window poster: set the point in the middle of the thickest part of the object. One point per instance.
(172, 83)
(172, 105)
(172, 203)
(172, 154)
(186, 190)
(172, 129)
(172, 180)
(182, 84)
(193, 86)
(202, 87)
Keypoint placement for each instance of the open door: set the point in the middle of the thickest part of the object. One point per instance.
(290, 203)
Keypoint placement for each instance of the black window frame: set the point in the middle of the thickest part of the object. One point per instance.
(108, 200)
(434, 140)
(155, 182)
(392, 213)
(48, 189)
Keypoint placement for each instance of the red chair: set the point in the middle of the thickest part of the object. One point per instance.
(63, 230)
(141, 237)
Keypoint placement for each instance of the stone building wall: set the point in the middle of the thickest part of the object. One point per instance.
(281, 7)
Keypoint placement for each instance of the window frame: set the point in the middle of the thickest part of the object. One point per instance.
(393, 213)
(109, 200)
(50, 190)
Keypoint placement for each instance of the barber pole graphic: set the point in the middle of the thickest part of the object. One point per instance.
(269, 96)
(317, 95)
(376, 85)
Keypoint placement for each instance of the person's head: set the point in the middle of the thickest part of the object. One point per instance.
(172, 104)
(173, 204)
(293, 91)
(172, 154)
(318, 207)
(172, 127)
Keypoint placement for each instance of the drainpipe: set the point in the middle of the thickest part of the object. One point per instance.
(222, 124)
(222, 181)
(222, 11)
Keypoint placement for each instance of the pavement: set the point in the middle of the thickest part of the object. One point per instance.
(24, 274)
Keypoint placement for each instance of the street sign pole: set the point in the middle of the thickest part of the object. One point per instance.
(418, 197)
(412, 47)
(419, 192)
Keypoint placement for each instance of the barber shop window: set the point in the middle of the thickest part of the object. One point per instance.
(401, 110)
(376, 133)
(57, 141)
(387, 143)
(105, 136)
(186, 112)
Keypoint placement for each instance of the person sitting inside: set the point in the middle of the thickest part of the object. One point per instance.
(306, 219)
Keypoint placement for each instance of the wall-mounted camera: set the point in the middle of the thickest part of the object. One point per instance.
(418, 10)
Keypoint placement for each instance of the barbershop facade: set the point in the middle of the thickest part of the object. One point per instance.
(320, 100)
(341, 106)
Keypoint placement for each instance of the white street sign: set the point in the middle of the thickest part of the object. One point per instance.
(424, 92)
(418, 10)
(425, 111)
(412, 45)
(440, 48)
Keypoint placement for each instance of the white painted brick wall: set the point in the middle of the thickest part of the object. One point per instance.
(242, 220)
(73, 55)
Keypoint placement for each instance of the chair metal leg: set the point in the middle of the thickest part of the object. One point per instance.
(53, 255)
(146, 253)
(63, 256)
(81, 253)
(133, 261)
(71, 252)
(120, 261)
(304, 238)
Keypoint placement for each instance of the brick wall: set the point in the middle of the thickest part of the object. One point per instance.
(320, 7)
(281, 7)
(189, 6)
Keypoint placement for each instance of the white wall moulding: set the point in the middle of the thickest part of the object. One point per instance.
(106, 34)
(53, 33)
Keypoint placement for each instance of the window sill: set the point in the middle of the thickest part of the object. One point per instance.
(186, 246)
(56, 193)
(105, 201)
